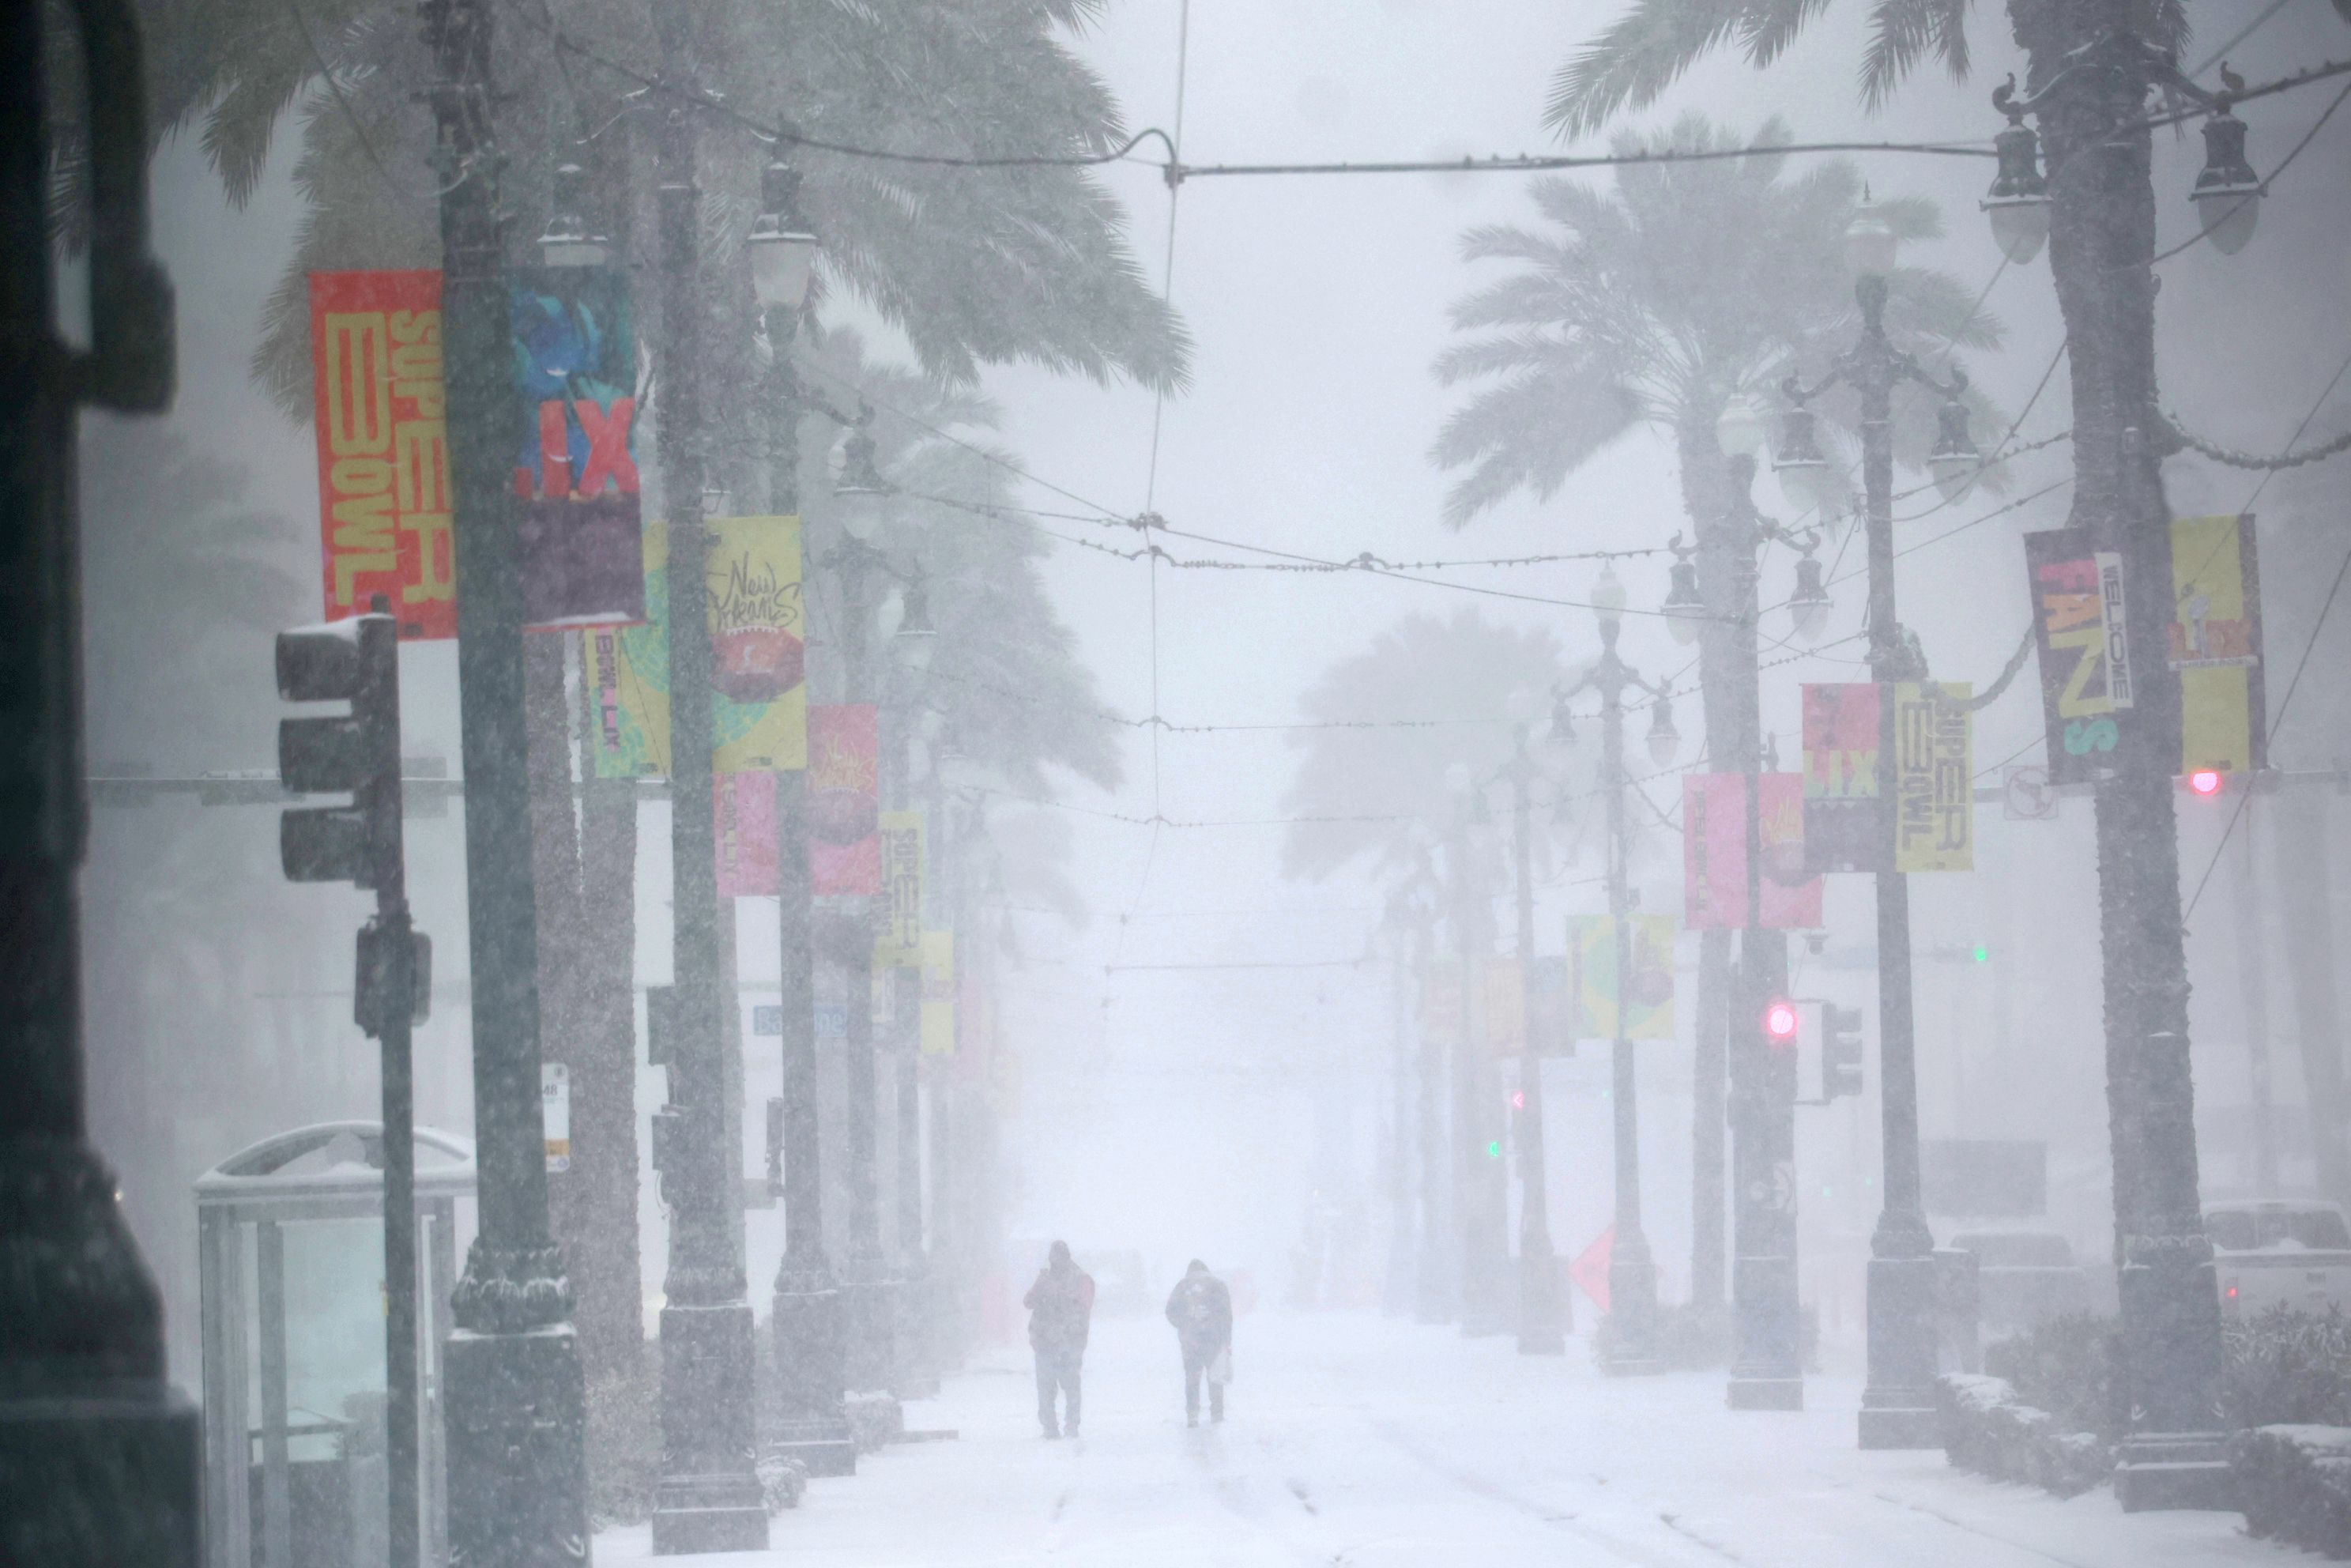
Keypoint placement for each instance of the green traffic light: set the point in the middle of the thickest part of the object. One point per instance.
(1494, 1149)
(1982, 954)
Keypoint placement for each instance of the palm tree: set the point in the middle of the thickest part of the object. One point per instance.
(1627, 311)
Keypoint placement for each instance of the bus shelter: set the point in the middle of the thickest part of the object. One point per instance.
(290, 1237)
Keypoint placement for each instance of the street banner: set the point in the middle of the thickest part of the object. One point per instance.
(898, 939)
(2078, 614)
(938, 993)
(1650, 978)
(1506, 1010)
(1934, 777)
(1714, 852)
(382, 420)
(759, 704)
(1553, 997)
(1590, 1268)
(578, 516)
(2215, 645)
(749, 865)
(844, 841)
(1843, 828)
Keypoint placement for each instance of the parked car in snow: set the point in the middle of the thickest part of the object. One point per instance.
(2294, 1252)
(2024, 1278)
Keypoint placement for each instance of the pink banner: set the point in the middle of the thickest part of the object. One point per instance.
(844, 841)
(748, 864)
(1714, 852)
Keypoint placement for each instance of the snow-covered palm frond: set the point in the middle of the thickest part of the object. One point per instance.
(1636, 58)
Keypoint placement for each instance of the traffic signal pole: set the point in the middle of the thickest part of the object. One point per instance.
(358, 661)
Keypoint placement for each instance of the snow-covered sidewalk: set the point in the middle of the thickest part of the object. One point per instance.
(1353, 1440)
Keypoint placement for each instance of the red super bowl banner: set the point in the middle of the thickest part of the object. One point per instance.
(1714, 852)
(844, 811)
(382, 419)
(749, 865)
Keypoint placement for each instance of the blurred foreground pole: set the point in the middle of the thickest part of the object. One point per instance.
(513, 1402)
(97, 1457)
(707, 1499)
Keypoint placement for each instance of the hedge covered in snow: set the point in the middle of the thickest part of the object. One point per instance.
(1988, 1429)
(2293, 1484)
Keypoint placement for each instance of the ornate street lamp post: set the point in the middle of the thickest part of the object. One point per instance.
(806, 1314)
(1898, 1403)
(2098, 215)
(1632, 1272)
(1481, 1183)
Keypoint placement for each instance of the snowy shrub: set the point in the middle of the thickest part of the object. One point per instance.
(2065, 1366)
(2288, 1368)
(1987, 1428)
(782, 1480)
(2293, 1484)
(874, 1420)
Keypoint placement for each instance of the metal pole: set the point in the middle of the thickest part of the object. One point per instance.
(1433, 1299)
(515, 1406)
(1397, 1296)
(868, 1298)
(709, 1496)
(100, 1459)
(807, 1310)
(1898, 1402)
(2253, 984)
(1767, 1369)
(1632, 1274)
(1541, 1330)
(1476, 1224)
(916, 1376)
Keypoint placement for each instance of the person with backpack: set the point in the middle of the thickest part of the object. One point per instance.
(1201, 1308)
(1060, 1309)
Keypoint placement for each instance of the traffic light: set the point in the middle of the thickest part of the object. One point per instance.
(2207, 780)
(354, 661)
(1783, 1021)
(357, 753)
(1840, 1051)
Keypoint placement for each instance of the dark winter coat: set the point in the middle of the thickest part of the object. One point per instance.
(1060, 1308)
(1201, 1308)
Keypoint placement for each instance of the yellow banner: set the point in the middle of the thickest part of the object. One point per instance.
(1648, 977)
(898, 944)
(2216, 644)
(938, 993)
(1934, 777)
(758, 704)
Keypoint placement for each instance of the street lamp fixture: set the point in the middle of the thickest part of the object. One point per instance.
(1741, 429)
(1562, 722)
(861, 490)
(1685, 609)
(916, 638)
(1665, 740)
(1954, 462)
(1870, 243)
(2228, 193)
(2018, 201)
(1807, 479)
(783, 250)
(1608, 600)
(1808, 606)
(567, 240)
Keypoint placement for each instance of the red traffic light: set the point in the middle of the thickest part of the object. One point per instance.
(1781, 1021)
(2205, 782)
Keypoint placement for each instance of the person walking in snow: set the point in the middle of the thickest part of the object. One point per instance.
(1201, 1308)
(1061, 1309)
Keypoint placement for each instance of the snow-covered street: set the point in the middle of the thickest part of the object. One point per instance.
(1354, 1440)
